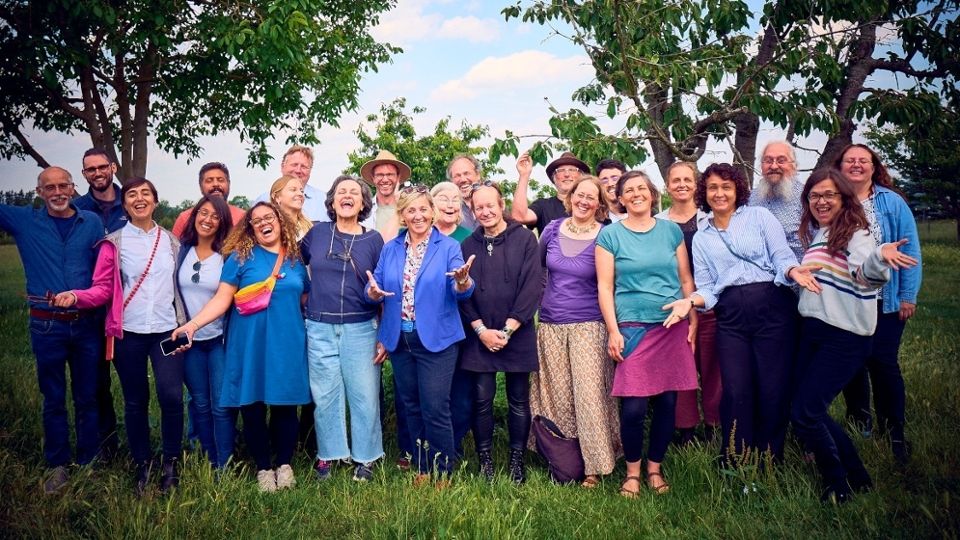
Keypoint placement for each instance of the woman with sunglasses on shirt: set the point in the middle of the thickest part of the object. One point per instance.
(419, 279)
(198, 272)
(266, 350)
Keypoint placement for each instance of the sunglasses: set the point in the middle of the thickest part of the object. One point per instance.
(196, 268)
(420, 188)
(485, 183)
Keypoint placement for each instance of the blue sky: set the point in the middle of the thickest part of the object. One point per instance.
(460, 59)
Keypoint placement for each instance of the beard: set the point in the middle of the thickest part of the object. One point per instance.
(781, 190)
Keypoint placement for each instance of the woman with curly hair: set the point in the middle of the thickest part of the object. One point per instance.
(742, 265)
(839, 319)
(266, 350)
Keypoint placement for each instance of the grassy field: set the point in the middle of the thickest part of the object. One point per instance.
(921, 500)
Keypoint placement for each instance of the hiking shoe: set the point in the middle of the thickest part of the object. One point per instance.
(323, 470)
(486, 466)
(518, 471)
(170, 478)
(143, 479)
(267, 481)
(363, 472)
(403, 463)
(285, 478)
(56, 479)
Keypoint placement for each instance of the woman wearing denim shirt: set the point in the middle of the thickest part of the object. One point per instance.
(890, 220)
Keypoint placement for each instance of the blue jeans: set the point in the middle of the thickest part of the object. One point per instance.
(56, 346)
(130, 361)
(340, 360)
(828, 359)
(216, 426)
(424, 379)
(461, 407)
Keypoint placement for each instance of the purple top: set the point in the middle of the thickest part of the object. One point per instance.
(570, 295)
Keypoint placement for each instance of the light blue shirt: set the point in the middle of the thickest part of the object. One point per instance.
(196, 295)
(755, 235)
(314, 203)
(787, 212)
(151, 310)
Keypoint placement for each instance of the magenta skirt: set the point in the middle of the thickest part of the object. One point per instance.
(661, 362)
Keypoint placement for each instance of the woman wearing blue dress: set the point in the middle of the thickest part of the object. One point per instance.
(266, 350)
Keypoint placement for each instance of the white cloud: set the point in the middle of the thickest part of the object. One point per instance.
(470, 28)
(527, 69)
(406, 23)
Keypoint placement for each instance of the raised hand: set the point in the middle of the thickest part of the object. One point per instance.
(525, 164)
(374, 291)
(891, 253)
(804, 277)
(462, 273)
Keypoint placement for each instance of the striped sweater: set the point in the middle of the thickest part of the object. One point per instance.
(850, 281)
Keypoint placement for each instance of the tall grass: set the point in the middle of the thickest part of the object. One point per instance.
(918, 501)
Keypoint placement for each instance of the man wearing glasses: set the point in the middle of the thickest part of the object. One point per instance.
(779, 191)
(56, 245)
(385, 173)
(609, 172)
(214, 180)
(103, 197)
(563, 172)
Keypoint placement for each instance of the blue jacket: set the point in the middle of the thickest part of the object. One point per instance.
(52, 263)
(115, 218)
(434, 298)
(896, 223)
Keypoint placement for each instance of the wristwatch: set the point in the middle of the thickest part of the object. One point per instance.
(507, 332)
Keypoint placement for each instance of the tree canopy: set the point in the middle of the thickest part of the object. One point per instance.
(678, 73)
(179, 70)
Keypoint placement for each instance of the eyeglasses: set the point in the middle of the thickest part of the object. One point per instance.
(196, 268)
(101, 168)
(854, 161)
(779, 161)
(610, 180)
(50, 189)
(410, 189)
(585, 197)
(826, 195)
(208, 215)
(443, 199)
(345, 257)
(268, 219)
(485, 183)
(381, 176)
(568, 170)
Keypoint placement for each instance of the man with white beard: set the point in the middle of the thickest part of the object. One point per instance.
(779, 191)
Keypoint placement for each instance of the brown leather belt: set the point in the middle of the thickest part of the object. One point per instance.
(60, 316)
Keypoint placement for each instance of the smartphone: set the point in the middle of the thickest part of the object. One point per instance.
(169, 346)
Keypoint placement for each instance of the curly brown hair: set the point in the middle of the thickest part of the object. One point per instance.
(242, 237)
(726, 172)
(847, 222)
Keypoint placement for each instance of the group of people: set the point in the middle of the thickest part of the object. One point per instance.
(760, 306)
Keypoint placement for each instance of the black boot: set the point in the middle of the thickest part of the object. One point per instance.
(171, 477)
(486, 465)
(518, 472)
(142, 479)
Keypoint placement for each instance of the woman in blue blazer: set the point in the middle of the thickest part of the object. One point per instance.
(420, 278)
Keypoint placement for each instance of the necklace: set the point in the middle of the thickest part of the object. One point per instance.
(580, 230)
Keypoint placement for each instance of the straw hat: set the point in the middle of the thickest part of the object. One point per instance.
(382, 158)
(566, 158)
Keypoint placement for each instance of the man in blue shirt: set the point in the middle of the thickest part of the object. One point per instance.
(778, 191)
(103, 199)
(56, 245)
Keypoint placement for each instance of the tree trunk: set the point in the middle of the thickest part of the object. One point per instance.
(745, 141)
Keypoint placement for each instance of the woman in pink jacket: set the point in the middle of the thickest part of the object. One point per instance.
(135, 277)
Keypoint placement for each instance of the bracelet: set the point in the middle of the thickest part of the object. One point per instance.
(75, 299)
(195, 324)
(480, 328)
(507, 332)
(464, 282)
(693, 303)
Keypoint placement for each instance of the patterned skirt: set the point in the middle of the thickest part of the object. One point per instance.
(573, 387)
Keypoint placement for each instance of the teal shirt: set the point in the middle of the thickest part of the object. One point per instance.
(646, 275)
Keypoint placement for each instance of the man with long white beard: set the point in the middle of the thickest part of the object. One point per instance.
(779, 191)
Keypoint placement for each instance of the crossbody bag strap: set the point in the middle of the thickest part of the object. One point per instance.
(737, 255)
(143, 276)
(276, 267)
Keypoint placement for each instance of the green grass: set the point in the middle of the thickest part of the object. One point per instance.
(920, 501)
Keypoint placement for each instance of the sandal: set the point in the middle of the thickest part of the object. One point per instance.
(662, 488)
(591, 481)
(630, 493)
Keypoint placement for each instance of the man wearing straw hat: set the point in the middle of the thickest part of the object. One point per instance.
(385, 173)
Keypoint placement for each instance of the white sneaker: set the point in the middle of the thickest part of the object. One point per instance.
(285, 479)
(267, 481)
